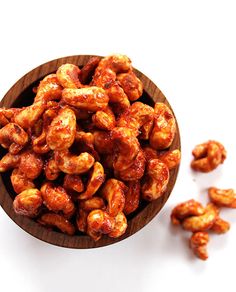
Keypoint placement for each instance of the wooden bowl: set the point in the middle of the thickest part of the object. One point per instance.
(21, 94)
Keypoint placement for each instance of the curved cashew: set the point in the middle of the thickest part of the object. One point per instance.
(29, 115)
(68, 76)
(207, 156)
(92, 204)
(131, 85)
(114, 193)
(12, 136)
(186, 209)
(104, 119)
(149, 153)
(73, 164)
(73, 182)
(103, 142)
(203, 222)
(49, 89)
(28, 202)
(100, 221)
(157, 178)
(138, 115)
(58, 221)
(91, 98)
(20, 182)
(120, 226)
(9, 161)
(164, 127)
(51, 169)
(171, 158)
(61, 132)
(220, 226)
(84, 142)
(31, 164)
(88, 69)
(39, 144)
(135, 170)
(56, 199)
(106, 78)
(96, 180)
(126, 147)
(198, 243)
(132, 197)
(86, 206)
(222, 198)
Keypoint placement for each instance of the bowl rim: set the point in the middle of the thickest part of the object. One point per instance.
(83, 241)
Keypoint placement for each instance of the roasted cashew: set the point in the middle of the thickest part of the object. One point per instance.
(28, 202)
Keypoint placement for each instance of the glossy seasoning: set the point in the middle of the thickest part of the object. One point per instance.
(156, 180)
(61, 132)
(208, 156)
(222, 197)
(28, 202)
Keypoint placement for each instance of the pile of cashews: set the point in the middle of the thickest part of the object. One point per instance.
(84, 155)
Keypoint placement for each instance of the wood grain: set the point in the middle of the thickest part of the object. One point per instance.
(21, 94)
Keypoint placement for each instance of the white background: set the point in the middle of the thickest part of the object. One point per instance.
(188, 48)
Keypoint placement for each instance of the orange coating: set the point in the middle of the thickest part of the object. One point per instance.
(20, 182)
(39, 143)
(202, 222)
(84, 142)
(81, 220)
(73, 182)
(92, 204)
(49, 89)
(171, 158)
(58, 221)
(88, 69)
(198, 243)
(126, 147)
(150, 153)
(136, 116)
(207, 156)
(186, 209)
(91, 98)
(9, 161)
(220, 226)
(113, 192)
(105, 119)
(56, 199)
(68, 76)
(51, 169)
(28, 116)
(62, 130)
(31, 164)
(28, 202)
(135, 170)
(103, 142)
(132, 197)
(222, 197)
(100, 221)
(120, 226)
(164, 127)
(73, 164)
(12, 136)
(156, 180)
(131, 85)
(95, 181)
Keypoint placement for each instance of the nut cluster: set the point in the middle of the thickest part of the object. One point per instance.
(87, 151)
(191, 215)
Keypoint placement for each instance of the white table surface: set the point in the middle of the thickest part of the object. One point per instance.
(188, 48)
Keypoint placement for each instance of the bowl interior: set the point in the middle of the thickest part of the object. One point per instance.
(21, 94)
